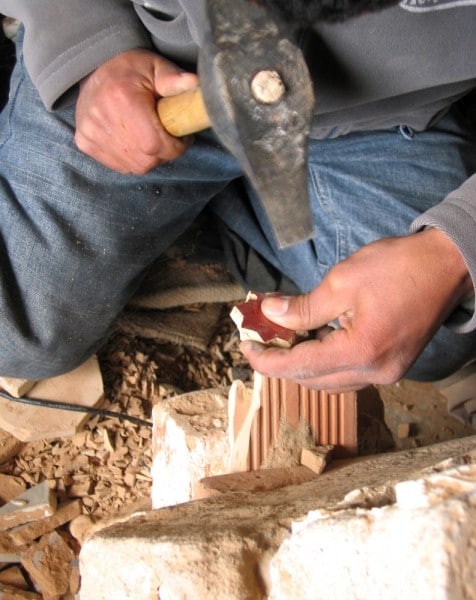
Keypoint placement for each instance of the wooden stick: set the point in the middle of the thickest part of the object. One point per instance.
(243, 403)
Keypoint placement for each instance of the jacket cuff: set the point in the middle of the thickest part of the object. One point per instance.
(453, 218)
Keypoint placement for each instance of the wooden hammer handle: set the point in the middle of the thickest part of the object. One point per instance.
(184, 113)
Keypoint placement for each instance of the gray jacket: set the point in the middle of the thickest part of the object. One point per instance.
(404, 65)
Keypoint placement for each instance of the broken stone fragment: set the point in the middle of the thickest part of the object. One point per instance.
(48, 563)
(16, 387)
(403, 431)
(82, 386)
(10, 446)
(190, 442)
(9, 551)
(254, 326)
(25, 534)
(9, 592)
(36, 503)
(13, 576)
(420, 546)
(10, 487)
(316, 459)
(258, 481)
(300, 541)
(81, 526)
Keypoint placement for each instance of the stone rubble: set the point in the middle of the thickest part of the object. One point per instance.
(314, 540)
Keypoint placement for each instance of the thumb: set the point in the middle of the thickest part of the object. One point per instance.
(170, 80)
(296, 312)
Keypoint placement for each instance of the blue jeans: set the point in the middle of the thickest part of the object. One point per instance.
(78, 238)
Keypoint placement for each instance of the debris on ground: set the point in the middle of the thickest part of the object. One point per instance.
(102, 473)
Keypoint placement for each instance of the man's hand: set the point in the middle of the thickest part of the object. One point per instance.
(116, 117)
(389, 298)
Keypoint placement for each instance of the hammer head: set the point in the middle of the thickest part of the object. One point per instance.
(260, 100)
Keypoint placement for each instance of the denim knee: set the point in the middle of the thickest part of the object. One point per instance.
(27, 355)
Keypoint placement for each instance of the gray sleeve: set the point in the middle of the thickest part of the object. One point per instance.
(456, 217)
(67, 39)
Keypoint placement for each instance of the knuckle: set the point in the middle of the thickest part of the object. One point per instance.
(150, 146)
(387, 375)
(147, 164)
(81, 141)
(394, 370)
(87, 147)
(136, 170)
(336, 277)
(304, 309)
(120, 96)
(369, 356)
(387, 367)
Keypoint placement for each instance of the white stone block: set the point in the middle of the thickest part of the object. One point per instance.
(423, 547)
(189, 442)
(197, 435)
(315, 540)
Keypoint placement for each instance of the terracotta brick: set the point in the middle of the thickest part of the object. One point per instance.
(332, 418)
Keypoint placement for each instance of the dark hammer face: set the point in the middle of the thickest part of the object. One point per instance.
(259, 97)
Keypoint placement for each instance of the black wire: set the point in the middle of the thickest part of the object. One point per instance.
(75, 408)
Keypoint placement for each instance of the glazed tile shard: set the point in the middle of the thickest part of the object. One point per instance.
(254, 326)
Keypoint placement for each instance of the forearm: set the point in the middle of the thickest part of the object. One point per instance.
(456, 218)
(66, 39)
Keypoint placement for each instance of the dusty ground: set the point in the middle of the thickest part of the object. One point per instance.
(107, 465)
(156, 353)
(405, 415)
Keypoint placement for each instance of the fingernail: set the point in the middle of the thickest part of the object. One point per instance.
(251, 347)
(275, 306)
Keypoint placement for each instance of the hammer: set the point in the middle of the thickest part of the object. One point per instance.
(256, 93)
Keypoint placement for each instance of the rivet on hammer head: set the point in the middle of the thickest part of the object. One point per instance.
(267, 87)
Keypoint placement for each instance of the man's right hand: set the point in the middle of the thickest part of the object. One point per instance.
(116, 116)
(389, 298)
